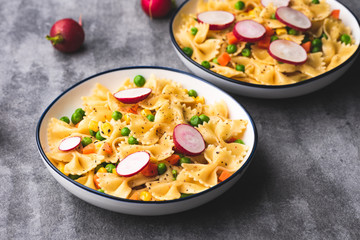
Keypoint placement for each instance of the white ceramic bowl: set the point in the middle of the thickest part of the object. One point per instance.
(70, 100)
(264, 91)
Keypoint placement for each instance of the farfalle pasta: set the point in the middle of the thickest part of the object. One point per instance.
(328, 42)
(111, 130)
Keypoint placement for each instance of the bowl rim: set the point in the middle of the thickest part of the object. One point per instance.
(42, 153)
(252, 85)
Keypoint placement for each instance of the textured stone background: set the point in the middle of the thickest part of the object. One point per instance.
(304, 182)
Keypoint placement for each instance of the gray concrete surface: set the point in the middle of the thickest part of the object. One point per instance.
(303, 184)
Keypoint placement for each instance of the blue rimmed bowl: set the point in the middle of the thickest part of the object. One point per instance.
(267, 91)
(112, 79)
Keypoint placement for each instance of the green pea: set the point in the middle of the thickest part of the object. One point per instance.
(324, 36)
(204, 118)
(315, 49)
(195, 121)
(215, 61)
(246, 52)
(92, 133)
(205, 64)
(316, 42)
(86, 141)
(174, 173)
(231, 48)
(100, 190)
(240, 5)
(273, 38)
(139, 80)
(194, 31)
(74, 177)
(99, 137)
(81, 111)
(240, 67)
(192, 93)
(345, 38)
(132, 140)
(280, 62)
(150, 117)
(65, 119)
(315, 1)
(116, 115)
(76, 117)
(125, 131)
(248, 45)
(292, 31)
(109, 167)
(239, 141)
(185, 160)
(161, 168)
(273, 16)
(183, 195)
(188, 51)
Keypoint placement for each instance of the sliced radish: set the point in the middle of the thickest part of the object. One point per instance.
(287, 52)
(217, 20)
(69, 143)
(188, 140)
(133, 163)
(276, 3)
(132, 95)
(249, 31)
(293, 18)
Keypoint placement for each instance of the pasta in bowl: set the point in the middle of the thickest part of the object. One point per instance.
(144, 157)
(253, 57)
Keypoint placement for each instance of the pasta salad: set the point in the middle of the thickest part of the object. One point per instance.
(266, 42)
(151, 140)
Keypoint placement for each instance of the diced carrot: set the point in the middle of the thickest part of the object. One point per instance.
(269, 31)
(231, 38)
(133, 109)
(77, 125)
(224, 59)
(96, 178)
(307, 46)
(135, 196)
(173, 159)
(224, 175)
(107, 148)
(265, 42)
(335, 13)
(89, 149)
(150, 170)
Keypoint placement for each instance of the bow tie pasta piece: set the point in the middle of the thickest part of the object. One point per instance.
(82, 163)
(334, 28)
(159, 151)
(172, 190)
(87, 180)
(118, 186)
(262, 55)
(58, 130)
(156, 84)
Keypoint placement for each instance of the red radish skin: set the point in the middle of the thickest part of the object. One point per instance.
(69, 143)
(249, 31)
(132, 95)
(293, 18)
(188, 140)
(287, 52)
(275, 3)
(217, 20)
(66, 35)
(133, 164)
(156, 8)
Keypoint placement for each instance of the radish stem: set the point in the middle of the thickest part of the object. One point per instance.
(56, 39)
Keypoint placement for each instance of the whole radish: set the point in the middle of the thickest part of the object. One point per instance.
(156, 8)
(66, 35)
